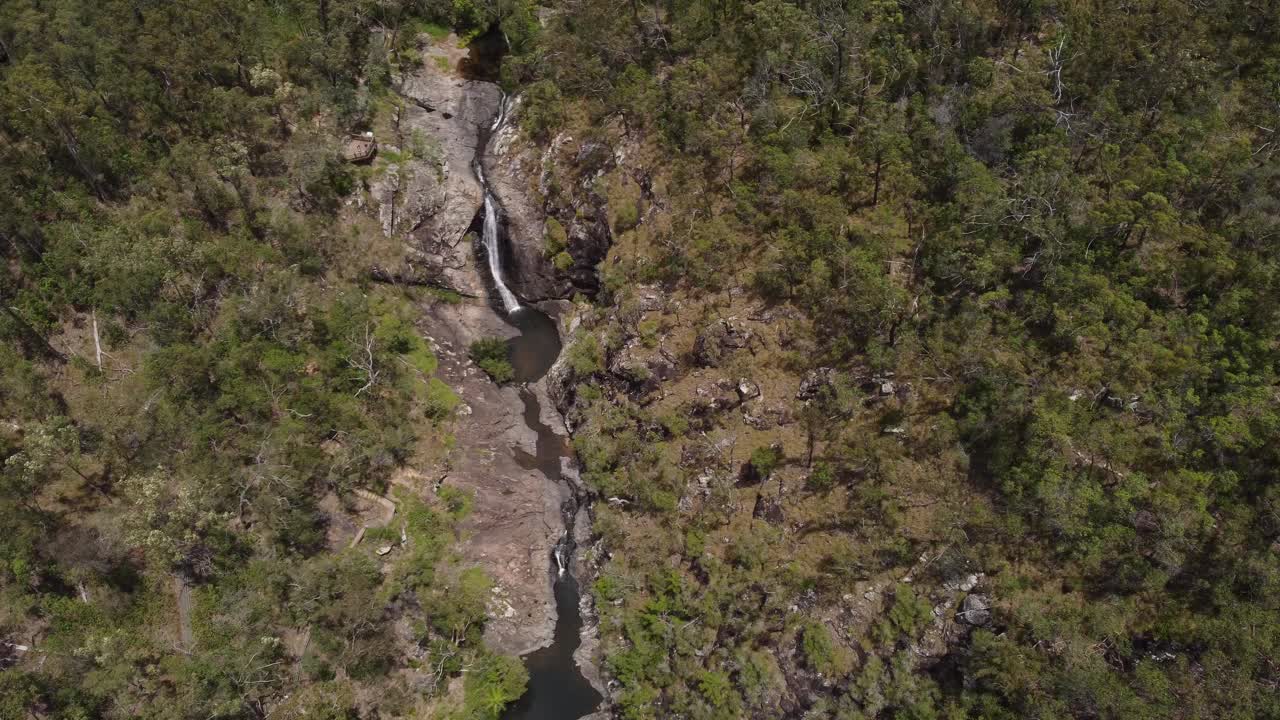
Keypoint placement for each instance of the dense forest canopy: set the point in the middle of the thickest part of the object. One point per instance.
(1011, 268)
(193, 365)
(1056, 222)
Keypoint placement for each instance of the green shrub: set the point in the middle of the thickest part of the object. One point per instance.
(822, 653)
(456, 500)
(649, 330)
(491, 684)
(764, 460)
(626, 215)
(608, 588)
(585, 356)
(437, 32)
(822, 478)
(910, 613)
(638, 703)
(557, 239)
(717, 689)
(440, 400)
(675, 424)
(980, 72)
(491, 355)
(544, 109)
(695, 542)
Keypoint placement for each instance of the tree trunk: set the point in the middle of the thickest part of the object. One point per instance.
(875, 194)
(97, 341)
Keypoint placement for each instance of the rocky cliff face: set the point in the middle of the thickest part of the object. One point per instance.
(512, 167)
(535, 184)
(427, 191)
(431, 195)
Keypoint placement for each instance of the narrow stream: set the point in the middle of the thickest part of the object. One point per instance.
(557, 689)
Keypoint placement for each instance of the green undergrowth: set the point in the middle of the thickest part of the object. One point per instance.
(492, 355)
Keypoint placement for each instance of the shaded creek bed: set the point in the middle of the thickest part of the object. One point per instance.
(557, 690)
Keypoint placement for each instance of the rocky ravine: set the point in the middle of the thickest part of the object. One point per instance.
(516, 519)
(428, 199)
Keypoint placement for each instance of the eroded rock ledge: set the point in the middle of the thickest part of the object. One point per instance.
(429, 195)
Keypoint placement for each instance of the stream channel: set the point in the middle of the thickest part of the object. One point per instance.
(557, 689)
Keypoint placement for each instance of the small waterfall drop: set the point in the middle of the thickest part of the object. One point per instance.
(560, 554)
(491, 239)
(501, 117)
(492, 250)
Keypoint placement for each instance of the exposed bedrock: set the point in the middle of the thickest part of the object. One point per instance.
(430, 196)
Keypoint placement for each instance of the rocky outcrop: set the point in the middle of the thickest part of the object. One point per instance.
(767, 417)
(975, 610)
(747, 390)
(718, 339)
(429, 193)
(816, 383)
(579, 209)
(641, 369)
(512, 165)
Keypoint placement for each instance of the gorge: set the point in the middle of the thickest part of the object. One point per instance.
(557, 687)
(485, 359)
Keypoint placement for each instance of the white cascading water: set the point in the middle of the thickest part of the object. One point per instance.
(501, 117)
(492, 244)
(492, 250)
(559, 554)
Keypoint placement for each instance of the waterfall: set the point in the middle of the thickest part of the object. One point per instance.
(501, 117)
(560, 553)
(492, 240)
(492, 250)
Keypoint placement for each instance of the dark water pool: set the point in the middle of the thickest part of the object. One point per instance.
(484, 56)
(535, 350)
(557, 690)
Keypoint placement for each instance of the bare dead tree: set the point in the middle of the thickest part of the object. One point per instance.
(97, 341)
(364, 361)
(1057, 63)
